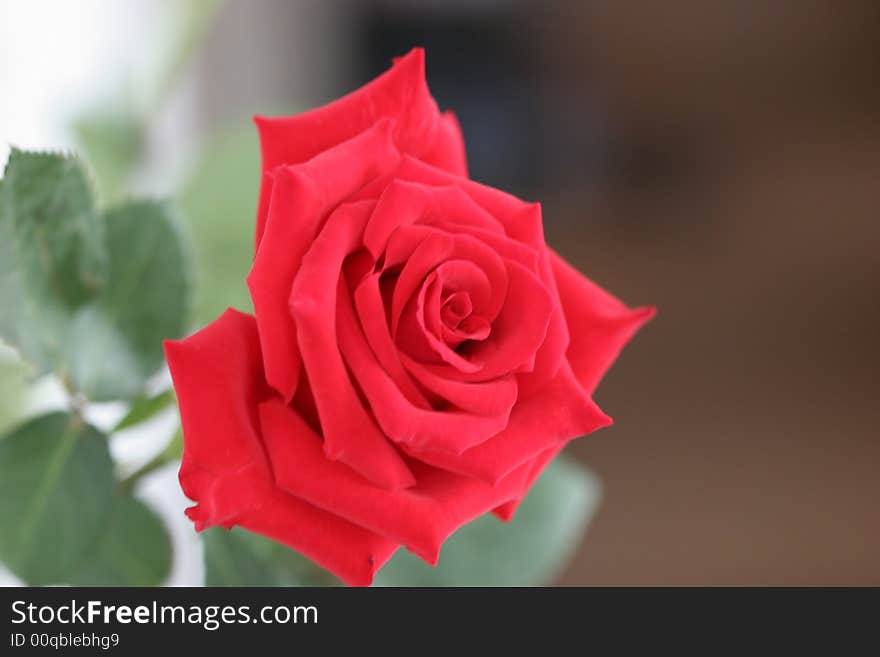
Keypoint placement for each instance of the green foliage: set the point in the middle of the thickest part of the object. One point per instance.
(13, 387)
(89, 296)
(62, 520)
(530, 550)
(52, 255)
(239, 558)
(117, 341)
(56, 489)
(57, 234)
(86, 296)
(132, 550)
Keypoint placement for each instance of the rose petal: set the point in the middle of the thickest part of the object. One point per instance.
(347, 550)
(557, 413)
(455, 308)
(404, 203)
(461, 275)
(301, 198)
(350, 435)
(448, 151)
(219, 382)
(550, 356)
(517, 332)
(421, 517)
(435, 248)
(470, 328)
(400, 93)
(521, 326)
(371, 314)
(507, 510)
(495, 397)
(452, 319)
(522, 223)
(413, 334)
(451, 429)
(521, 220)
(600, 324)
(218, 377)
(504, 246)
(415, 340)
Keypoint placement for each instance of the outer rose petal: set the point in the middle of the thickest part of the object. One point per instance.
(301, 198)
(400, 93)
(550, 418)
(600, 324)
(350, 552)
(219, 382)
(421, 517)
(448, 152)
(505, 511)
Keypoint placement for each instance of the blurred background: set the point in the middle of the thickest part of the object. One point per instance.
(720, 160)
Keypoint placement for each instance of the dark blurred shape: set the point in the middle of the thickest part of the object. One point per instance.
(477, 64)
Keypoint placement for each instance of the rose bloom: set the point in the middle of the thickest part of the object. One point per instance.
(417, 353)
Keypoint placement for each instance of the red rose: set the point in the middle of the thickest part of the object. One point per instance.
(418, 353)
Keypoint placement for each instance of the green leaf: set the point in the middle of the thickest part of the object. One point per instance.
(220, 203)
(530, 550)
(240, 558)
(87, 297)
(13, 388)
(115, 343)
(52, 256)
(56, 487)
(143, 408)
(133, 550)
(231, 561)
